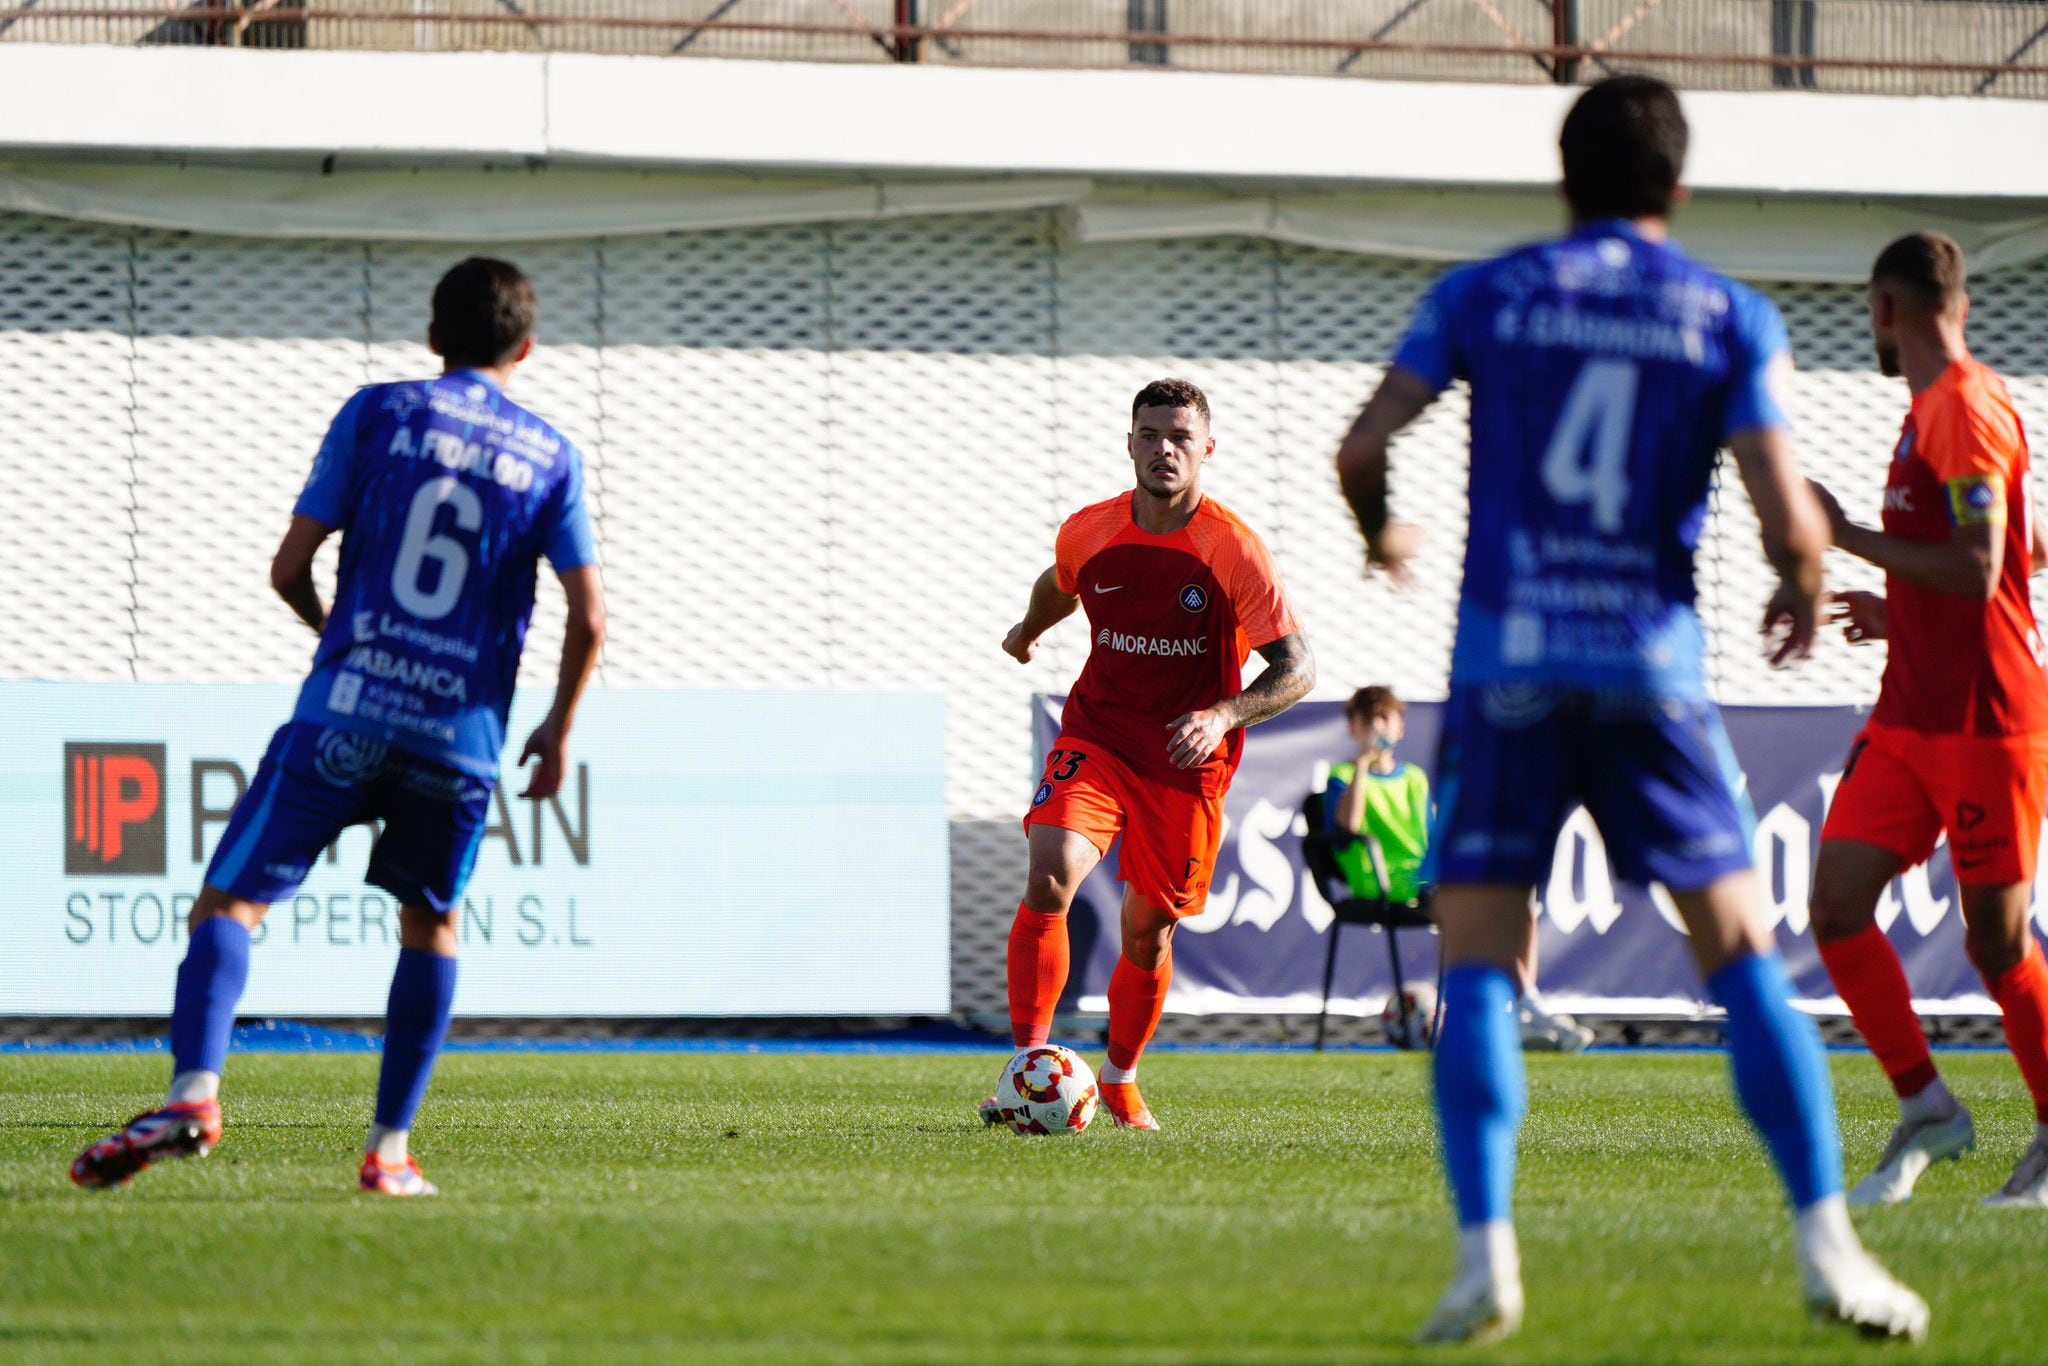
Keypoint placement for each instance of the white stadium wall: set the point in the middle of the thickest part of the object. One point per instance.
(833, 454)
(828, 456)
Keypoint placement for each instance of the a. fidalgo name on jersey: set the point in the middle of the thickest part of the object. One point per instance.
(451, 452)
(1124, 643)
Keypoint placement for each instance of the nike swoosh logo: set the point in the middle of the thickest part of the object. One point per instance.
(1100, 589)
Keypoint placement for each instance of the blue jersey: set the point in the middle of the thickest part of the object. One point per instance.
(1607, 371)
(447, 494)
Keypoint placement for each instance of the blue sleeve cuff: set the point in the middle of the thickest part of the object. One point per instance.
(1430, 349)
(573, 542)
(325, 498)
(1761, 359)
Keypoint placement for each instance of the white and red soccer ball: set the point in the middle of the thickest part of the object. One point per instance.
(1418, 1031)
(1047, 1090)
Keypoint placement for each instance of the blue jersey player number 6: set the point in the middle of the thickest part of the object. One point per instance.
(448, 495)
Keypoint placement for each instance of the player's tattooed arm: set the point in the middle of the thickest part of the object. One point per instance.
(1289, 673)
(1362, 469)
(291, 569)
(1967, 565)
(1047, 608)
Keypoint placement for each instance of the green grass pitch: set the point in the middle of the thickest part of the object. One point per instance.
(850, 1207)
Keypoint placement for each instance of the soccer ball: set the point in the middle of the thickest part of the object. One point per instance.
(1046, 1090)
(1419, 1031)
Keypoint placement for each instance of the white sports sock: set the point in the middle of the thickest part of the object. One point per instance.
(389, 1145)
(1935, 1101)
(1115, 1075)
(188, 1087)
(1490, 1248)
(1825, 1231)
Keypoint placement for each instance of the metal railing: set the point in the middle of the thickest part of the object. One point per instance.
(1992, 47)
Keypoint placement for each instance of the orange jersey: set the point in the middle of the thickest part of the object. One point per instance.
(1955, 666)
(1173, 619)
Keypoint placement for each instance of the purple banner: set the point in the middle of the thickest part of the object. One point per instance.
(1604, 946)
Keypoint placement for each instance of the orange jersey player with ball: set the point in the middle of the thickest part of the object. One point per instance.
(1178, 593)
(1958, 742)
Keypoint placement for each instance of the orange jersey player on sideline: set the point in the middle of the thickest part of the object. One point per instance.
(1178, 592)
(1959, 740)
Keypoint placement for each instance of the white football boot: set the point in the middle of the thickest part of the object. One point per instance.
(1545, 1031)
(1844, 1284)
(1484, 1303)
(2028, 1188)
(1917, 1144)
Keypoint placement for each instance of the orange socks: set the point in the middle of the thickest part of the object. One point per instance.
(1137, 998)
(1038, 974)
(2022, 993)
(1865, 969)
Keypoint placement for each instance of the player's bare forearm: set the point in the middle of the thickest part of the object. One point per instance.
(1192, 739)
(291, 570)
(1362, 455)
(1048, 608)
(1289, 674)
(303, 598)
(1967, 566)
(1790, 515)
(582, 640)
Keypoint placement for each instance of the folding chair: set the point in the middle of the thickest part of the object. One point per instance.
(1319, 848)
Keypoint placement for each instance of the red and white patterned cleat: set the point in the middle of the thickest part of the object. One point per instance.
(188, 1129)
(379, 1177)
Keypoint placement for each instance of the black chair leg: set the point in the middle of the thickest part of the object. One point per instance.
(1329, 975)
(1400, 986)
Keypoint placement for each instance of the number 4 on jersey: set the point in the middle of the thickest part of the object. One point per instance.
(1587, 459)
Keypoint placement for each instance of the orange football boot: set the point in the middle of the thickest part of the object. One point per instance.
(1126, 1106)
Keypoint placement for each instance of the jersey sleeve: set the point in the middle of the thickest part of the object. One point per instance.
(572, 543)
(1433, 348)
(1081, 535)
(1973, 446)
(1760, 365)
(1256, 594)
(327, 497)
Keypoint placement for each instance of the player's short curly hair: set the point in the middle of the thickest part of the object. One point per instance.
(1624, 149)
(1376, 701)
(484, 310)
(1926, 267)
(1171, 393)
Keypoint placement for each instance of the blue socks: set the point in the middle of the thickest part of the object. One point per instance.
(415, 1023)
(1481, 1091)
(210, 983)
(1781, 1075)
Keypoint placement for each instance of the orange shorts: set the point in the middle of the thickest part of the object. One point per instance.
(1170, 835)
(1900, 789)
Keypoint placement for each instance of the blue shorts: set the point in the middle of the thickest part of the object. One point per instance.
(315, 782)
(1657, 775)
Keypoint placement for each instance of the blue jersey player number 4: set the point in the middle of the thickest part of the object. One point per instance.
(448, 495)
(1607, 372)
